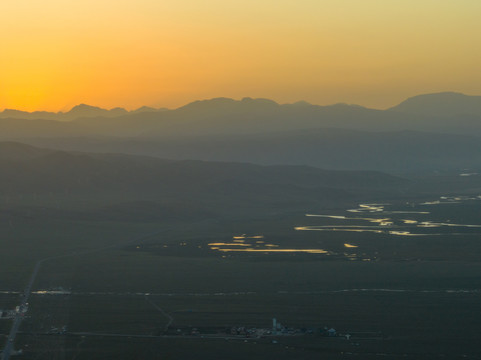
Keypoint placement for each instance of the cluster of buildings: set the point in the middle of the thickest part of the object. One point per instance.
(59, 331)
(278, 329)
(10, 314)
(7, 314)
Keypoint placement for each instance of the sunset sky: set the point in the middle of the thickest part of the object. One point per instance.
(129, 53)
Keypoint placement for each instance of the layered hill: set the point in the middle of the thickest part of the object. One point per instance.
(38, 182)
(78, 111)
(427, 133)
(396, 152)
(29, 169)
(441, 104)
(442, 113)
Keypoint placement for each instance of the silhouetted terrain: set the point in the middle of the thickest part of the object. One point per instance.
(427, 133)
(132, 186)
(444, 112)
(442, 105)
(26, 169)
(393, 152)
(79, 111)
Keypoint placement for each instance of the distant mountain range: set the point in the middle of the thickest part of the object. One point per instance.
(426, 133)
(438, 104)
(81, 169)
(397, 152)
(444, 112)
(77, 112)
(151, 187)
(441, 104)
(147, 187)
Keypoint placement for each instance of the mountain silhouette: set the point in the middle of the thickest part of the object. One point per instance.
(147, 109)
(433, 132)
(83, 110)
(78, 111)
(30, 170)
(441, 104)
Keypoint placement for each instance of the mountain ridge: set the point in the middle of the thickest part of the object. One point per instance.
(407, 105)
(441, 104)
(76, 112)
(129, 178)
(339, 136)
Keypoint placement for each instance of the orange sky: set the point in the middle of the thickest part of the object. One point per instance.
(58, 53)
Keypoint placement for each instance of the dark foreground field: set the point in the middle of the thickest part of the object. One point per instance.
(141, 258)
(398, 297)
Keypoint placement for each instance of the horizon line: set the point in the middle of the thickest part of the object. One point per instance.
(229, 98)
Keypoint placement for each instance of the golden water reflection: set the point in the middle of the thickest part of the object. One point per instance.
(253, 244)
(391, 225)
(310, 251)
(227, 244)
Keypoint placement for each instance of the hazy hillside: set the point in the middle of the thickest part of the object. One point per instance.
(79, 111)
(434, 132)
(441, 104)
(38, 182)
(393, 152)
(12, 128)
(28, 170)
(442, 113)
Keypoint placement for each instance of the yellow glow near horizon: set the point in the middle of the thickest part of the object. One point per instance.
(57, 53)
